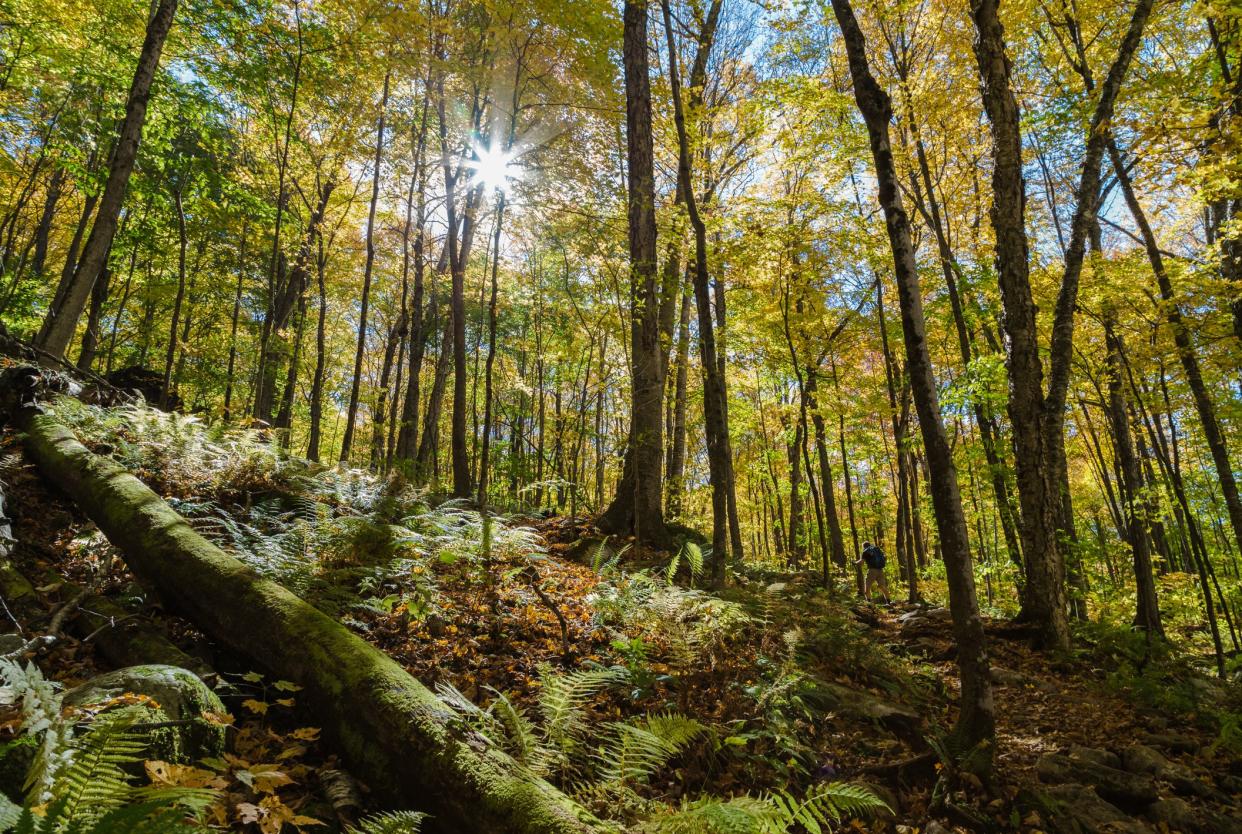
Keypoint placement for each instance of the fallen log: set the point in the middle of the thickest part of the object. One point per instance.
(392, 730)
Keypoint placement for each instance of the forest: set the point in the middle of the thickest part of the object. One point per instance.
(585, 417)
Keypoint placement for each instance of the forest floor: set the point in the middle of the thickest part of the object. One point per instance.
(799, 685)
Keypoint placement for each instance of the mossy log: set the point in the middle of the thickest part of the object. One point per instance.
(393, 731)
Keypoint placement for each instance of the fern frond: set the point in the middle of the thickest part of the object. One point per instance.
(521, 733)
(394, 822)
(95, 781)
(563, 698)
(643, 746)
(738, 815)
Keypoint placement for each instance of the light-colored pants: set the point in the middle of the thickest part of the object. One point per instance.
(876, 577)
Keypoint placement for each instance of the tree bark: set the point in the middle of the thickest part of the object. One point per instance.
(1038, 420)
(714, 415)
(1147, 611)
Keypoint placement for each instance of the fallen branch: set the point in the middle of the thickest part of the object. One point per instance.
(395, 733)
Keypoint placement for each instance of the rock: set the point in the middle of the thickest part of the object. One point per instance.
(16, 756)
(938, 614)
(1139, 758)
(915, 623)
(179, 695)
(899, 720)
(1076, 809)
(935, 827)
(1184, 781)
(1007, 677)
(1175, 813)
(1094, 755)
(1114, 785)
(1171, 742)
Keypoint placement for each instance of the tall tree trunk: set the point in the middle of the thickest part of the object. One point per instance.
(1185, 350)
(351, 415)
(714, 414)
(277, 313)
(486, 441)
(182, 243)
(120, 308)
(321, 350)
(1147, 612)
(429, 443)
(407, 438)
(976, 725)
(1038, 421)
(90, 337)
(825, 468)
(60, 323)
(55, 188)
(237, 297)
(677, 449)
(637, 507)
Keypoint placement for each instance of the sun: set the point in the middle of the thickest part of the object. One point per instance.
(492, 168)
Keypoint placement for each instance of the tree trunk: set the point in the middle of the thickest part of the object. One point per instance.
(407, 436)
(827, 481)
(637, 507)
(182, 242)
(1147, 613)
(389, 726)
(677, 450)
(351, 414)
(975, 729)
(237, 298)
(1038, 421)
(1185, 350)
(321, 349)
(60, 323)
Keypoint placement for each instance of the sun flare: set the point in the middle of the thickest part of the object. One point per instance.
(492, 168)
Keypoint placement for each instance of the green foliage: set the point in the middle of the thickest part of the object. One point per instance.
(773, 813)
(689, 626)
(395, 822)
(82, 784)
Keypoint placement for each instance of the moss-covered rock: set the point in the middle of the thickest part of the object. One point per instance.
(16, 756)
(181, 700)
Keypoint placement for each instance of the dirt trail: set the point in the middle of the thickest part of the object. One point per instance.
(1048, 706)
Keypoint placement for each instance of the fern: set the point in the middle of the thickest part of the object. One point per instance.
(395, 822)
(523, 736)
(563, 698)
(40, 715)
(774, 813)
(738, 815)
(641, 747)
(95, 781)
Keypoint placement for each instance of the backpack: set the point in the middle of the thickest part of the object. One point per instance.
(874, 557)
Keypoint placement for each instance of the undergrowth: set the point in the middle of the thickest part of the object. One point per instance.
(613, 732)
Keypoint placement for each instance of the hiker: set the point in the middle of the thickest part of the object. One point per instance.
(874, 557)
